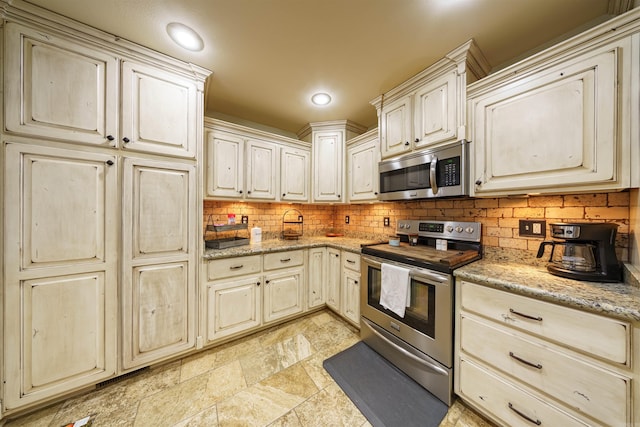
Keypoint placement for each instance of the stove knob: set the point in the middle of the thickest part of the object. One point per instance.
(449, 228)
(401, 225)
(408, 226)
(459, 229)
(469, 230)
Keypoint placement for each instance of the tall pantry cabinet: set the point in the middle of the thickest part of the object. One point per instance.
(101, 221)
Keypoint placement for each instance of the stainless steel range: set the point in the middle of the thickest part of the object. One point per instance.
(406, 300)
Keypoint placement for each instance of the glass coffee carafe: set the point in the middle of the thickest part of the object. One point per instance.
(573, 257)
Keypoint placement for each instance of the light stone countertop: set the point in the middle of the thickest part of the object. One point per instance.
(620, 300)
(278, 245)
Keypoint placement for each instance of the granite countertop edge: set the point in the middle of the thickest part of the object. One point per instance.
(619, 300)
(279, 245)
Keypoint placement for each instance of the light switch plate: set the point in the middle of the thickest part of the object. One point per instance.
(533, 228)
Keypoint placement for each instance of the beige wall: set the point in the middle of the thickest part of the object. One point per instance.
(499, 216)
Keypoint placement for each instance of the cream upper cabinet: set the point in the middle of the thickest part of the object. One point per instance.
(250, 164)
(396, 127)
(262, 170)
(363, 155)
(328, 164)
(225, 165)
(60, 271)
(428, 109)
(159, 282)
(295, 174)
(435, 109)
(57, 87)
(158, 108)
(562, 120)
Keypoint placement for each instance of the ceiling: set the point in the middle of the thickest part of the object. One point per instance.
(269, 56)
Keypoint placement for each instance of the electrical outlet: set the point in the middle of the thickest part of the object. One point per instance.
(385, 221)
(533, 228)
(245, 219)
(346, 219)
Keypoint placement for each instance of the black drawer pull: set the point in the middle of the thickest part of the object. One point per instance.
(350, 261)
(526, 316)
(285, 260)
(236, 267)
(526, 362)
(531, 420)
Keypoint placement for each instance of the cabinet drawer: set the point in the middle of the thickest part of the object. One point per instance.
(510, 405)
(285, 259)
(596, 335)
(230, 267)
(351, 260)
(587, 388)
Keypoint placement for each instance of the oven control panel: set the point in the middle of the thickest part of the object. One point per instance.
(455, 230)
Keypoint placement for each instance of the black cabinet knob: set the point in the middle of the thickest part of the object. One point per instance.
(406, 143)
(125, 140)
(479, 182)
(240, 191)
(110, 137)
(249, 192)
(284, 194)
(417, 140)
(109, 162)
(258, 284)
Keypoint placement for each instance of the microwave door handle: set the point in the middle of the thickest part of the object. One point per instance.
(432, 174)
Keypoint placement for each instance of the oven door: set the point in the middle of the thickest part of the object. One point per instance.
(428, 321)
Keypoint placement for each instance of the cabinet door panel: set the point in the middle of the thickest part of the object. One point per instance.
(225, 165)
(158, 110)
(435, 111)
(57, 88)
(351, 295)
(159, 323)
(161, 199)
(363, 171)
(334, 276)
(558, 126)
(283, 293)
(233, 307)
(64, 197)
(262, 160)
(395, 127)
(159, 283)
(316, 278)
(60, 271)
(328, 160)
(295, 173)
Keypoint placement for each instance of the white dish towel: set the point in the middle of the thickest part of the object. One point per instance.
(394, 290)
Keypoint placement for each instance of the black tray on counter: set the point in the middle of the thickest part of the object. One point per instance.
(227, 242)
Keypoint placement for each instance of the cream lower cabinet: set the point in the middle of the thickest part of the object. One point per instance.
(350, 306)
(561, 121)
(60, 271)
(232, 296)
(334, 277)
(159, 281)
(522, 361)
(317, 277)
(284, 285)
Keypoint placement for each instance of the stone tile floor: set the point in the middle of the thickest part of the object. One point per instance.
(271, 378)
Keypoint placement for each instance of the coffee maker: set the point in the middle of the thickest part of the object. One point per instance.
(588, 251)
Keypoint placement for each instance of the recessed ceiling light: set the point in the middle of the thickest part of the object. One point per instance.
(321, 98)
(185, 36)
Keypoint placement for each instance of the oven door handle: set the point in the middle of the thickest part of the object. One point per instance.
(432, 367)
(422, 274)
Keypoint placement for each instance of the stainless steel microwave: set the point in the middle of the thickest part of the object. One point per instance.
(438, 172)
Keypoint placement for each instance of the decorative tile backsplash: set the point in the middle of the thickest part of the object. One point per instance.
(499, 217)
